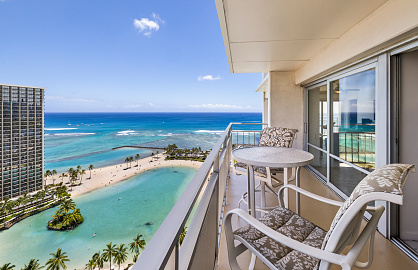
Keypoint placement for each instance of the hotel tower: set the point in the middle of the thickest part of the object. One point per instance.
(22, 140)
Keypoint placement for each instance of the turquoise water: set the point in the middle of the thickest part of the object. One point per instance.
(146, 197)
(73, 139)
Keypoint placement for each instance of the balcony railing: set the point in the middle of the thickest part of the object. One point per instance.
(206, 195)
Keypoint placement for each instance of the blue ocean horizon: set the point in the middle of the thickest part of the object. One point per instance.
(73, 139)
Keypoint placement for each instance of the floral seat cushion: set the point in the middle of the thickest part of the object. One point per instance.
(277, 137)
(388, 179)
(292, 225)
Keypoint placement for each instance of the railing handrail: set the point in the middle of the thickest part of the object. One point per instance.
(248, 123)
(164, 241)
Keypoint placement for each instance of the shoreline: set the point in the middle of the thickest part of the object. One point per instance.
(103, 176)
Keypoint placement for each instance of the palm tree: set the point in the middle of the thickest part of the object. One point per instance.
(57, 261)
(108, 252)
(70, 175)
(46, 174)
(90, 265)
(98, 259)
(62, 177)
(42, 194)
(126, 161)
(182, 235)
(53, 173)
(20, 201)
(137, 156)
(121, 254)
(7, 266)
(130, 161)
(138, 243)
(33, 265)
(91, 167)
(81, 175)
(7, 206)
(67, 205)
(135, 257)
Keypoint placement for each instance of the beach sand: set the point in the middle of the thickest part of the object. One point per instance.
(109, 175)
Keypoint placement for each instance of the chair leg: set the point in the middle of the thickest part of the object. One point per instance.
(252, 263)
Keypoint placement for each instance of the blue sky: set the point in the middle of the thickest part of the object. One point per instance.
(122, 55)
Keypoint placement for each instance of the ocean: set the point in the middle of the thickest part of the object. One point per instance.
(115, 213)
(73, 139)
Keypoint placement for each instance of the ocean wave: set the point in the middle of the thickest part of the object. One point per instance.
(59, 128)
(210, 131)
(73, 134)
(126, 133)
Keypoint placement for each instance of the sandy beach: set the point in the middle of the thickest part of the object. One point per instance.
(104, 176)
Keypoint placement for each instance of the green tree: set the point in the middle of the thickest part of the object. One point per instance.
(81, 174)
(46, 174)
(121, 254)
(62, 177)
(57, 261)
(135, 257)
(138, 243)
(130, 161)
(182, 235)
(90, 265)
(91, 167)
(126, 161)
(7, 266)
(98, 259)
(109, 252)
(32, 265)
(137, 156)
(67, 205)
(7, 207)
(53, 173)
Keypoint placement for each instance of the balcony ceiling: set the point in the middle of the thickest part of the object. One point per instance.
(283, 35)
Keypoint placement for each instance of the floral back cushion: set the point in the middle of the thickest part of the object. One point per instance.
(388, 179)
(277, 137)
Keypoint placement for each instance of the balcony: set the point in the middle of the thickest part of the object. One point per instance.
(215, 190)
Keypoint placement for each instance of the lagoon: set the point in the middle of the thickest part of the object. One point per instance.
(145, 198)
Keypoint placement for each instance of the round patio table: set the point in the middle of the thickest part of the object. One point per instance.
(274, 157)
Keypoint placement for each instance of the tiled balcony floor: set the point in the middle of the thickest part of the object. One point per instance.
(386, 254)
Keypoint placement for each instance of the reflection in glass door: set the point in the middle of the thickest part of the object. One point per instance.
(353, 129)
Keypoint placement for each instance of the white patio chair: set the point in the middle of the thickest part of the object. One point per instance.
(270, 136)
(284, 240)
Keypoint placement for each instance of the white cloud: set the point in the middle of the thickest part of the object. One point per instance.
(146, 25)
(217, 106)
(83, 100)
(208, 78)
(151, 104)
(133, 106)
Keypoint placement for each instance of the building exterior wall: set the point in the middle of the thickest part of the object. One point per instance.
(286, 104)
(22, 144)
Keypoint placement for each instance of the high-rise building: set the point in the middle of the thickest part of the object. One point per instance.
(22, 140)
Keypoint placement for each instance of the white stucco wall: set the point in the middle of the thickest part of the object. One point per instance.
(286, 104)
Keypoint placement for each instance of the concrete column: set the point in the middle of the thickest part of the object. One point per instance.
(286, 104)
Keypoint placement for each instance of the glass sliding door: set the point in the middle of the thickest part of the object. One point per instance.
(341, 128)
(353, 129)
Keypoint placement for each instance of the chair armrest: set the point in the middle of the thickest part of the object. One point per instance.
(293, 244)
(308, 194)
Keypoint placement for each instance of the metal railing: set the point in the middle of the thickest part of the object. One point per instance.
(205, 193)
(357, 147)
(246, 136)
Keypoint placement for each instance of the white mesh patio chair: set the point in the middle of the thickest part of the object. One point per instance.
(285, 240)
(270, 136)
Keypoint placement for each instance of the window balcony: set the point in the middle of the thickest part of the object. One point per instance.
(215, 190)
